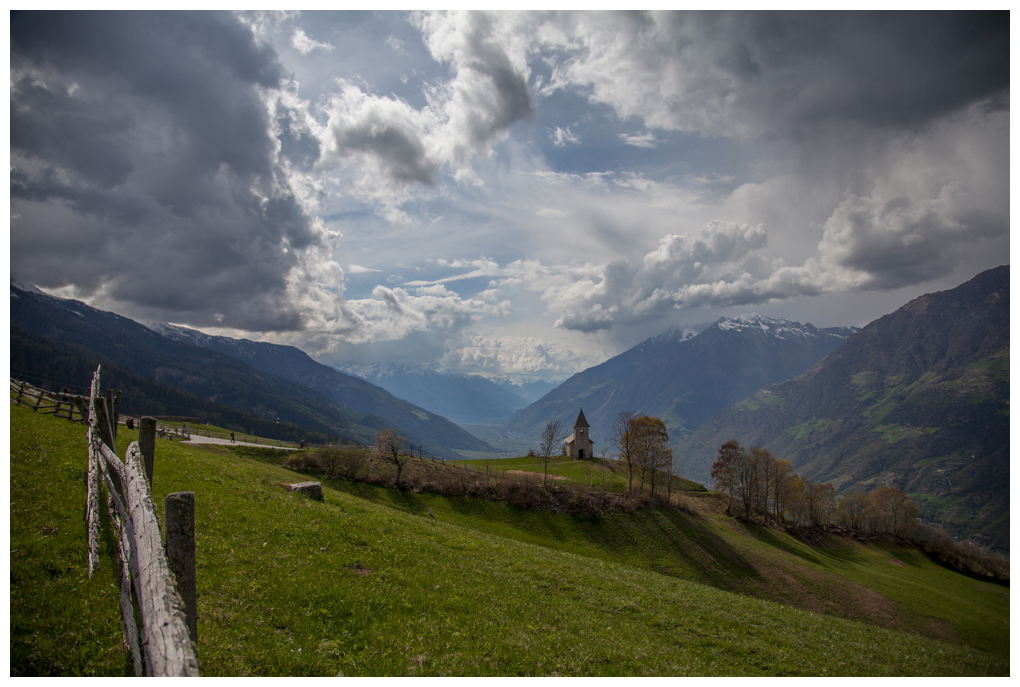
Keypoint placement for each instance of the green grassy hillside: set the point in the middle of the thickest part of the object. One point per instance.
(365, 583)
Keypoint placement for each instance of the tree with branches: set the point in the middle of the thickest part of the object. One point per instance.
(650, 452)
(779, 486)
(891, 510)
(388, 443)
(551, 436)
(725, 469)
(624, 436)
(852, 510)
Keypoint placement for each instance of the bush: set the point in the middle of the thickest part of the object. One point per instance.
(351, 461)
(307, 461)
(330, 461)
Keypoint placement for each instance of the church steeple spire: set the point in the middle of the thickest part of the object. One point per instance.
(581, 422)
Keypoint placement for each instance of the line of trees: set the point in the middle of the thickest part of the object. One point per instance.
(642, 442)
(767, 486)
(886, 509)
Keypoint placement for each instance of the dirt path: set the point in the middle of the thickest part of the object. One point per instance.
(198, 439)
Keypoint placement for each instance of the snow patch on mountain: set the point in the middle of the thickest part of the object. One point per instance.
(34, 291)
(177, 333)
(779, 328)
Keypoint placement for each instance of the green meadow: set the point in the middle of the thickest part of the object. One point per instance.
(367, 583)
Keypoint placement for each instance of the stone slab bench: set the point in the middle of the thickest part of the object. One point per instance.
(310, 489)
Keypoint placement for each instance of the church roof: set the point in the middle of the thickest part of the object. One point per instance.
(581, 422)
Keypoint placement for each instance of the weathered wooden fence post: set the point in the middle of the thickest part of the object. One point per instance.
(180, 553)
(147, 444)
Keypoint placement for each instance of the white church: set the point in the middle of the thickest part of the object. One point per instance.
(579, 445)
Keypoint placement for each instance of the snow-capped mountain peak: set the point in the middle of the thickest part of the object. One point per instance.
(777, 327)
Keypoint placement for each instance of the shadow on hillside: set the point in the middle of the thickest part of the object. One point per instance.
(668, 541)
(704, 550)
(374, 493)
(776, 538)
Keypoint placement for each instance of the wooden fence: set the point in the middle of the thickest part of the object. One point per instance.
(62, 403)
(162, 581)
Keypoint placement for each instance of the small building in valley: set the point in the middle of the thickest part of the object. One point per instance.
(579, 445)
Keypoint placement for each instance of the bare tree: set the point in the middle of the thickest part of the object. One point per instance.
(388, 443)
(821, 501)
(747, 481)
(551, 436)
(780, 481)
(623, 434)
(891, 510)
(852, 509)
(766, 468)
(725, 469)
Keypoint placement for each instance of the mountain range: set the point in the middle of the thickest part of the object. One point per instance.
(463, 398)
(261, 379)
(683, 375)
(918, 399)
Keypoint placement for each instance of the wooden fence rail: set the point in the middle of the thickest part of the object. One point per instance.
(61, 404)
(165, 646)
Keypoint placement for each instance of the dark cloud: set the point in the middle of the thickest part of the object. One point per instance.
(903, 241)
(83, 137)
(394, 143)
(786, 74)
(146, 138)
(386, 134)
(500, 96)
(882, 68)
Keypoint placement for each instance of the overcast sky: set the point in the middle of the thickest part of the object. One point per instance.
(504, 193)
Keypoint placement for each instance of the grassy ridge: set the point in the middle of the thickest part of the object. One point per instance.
(595, 473)
(892, 586)
(289, 586)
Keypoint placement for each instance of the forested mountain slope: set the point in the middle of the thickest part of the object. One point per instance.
(918, 399)
(228, 380)
(345, 390)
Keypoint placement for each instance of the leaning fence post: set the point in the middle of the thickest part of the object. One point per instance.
(147, 444)
(180, 553)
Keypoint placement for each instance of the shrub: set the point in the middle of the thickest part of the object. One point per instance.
(307, 461)
(350, 462)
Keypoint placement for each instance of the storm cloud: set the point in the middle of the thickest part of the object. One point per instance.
(789, 74)
(143, 168)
